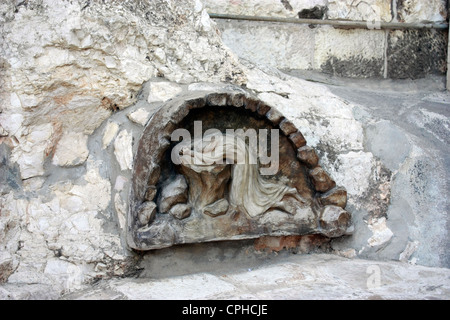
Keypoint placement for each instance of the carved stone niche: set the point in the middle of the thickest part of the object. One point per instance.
(199, 201)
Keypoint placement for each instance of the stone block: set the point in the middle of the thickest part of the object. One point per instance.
(426, 53)
(363, 10)
(71, 150)
(415, 11)
(308, 156)
(335, 221)
(298, 139)
(279, 45)
(350, 53)
(321, 180)
(336, 197)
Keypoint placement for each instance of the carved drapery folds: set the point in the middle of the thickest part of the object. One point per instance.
(219, 185)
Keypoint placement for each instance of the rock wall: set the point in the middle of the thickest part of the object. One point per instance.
(349, 53)
(368, 10)
(65, 68)
(79, 80)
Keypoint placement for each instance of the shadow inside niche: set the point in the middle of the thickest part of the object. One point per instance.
(219, 258)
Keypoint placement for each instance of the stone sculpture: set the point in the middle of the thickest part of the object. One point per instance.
(214, 189)
(249, 191)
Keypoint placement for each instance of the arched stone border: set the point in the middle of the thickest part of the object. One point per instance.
(155, 141)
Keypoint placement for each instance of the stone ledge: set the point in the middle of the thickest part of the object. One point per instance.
(294, 277)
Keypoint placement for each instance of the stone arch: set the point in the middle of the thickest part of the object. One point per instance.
(146, 232)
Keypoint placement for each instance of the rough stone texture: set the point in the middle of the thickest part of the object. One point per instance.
(360, 10)
(414, 112)
(147, 212)
(358, 182)
(287, 127)
(299, 277)
(380, 233)
(9, 173)
(173, 193)
(162, 91)
(224, 192)
(415, 53)
(308, 155)
(6, 265)
(275, 8)
(350, 53)
(111, 130)
(61, 234)
(321, 180)
(418, 11)
(280, 45)
(336, 197)
(123, 150)
(32, 150)
(71, 150)
(64, 70)
(297, 139)
(47, 84)
(217, 208)
(140, 116)
(335, 220)
(64, 227)
(365, 10)
(180, 211)
(318, 12)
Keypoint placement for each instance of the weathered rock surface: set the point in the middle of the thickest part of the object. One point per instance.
(416, 11)
(163, 91)
(368, 10)
(48, 88)
(63, 224)
(242, 202)
(343, 52)
(123, 150)
(262, 8)
(71, 150)
(180, 211)
(139, 116)
(321, 180)
(173, 193)
(297, 277)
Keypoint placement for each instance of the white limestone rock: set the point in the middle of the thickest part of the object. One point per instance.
(304, 103)
(71, 150)
(283, 46)
(6, 265)
(11, 122)
(353, 171)
(163, 91)
(109, 134)
(346, 45)
(69, 221)
(366, 10)
(417, 11)
(68, 274)
(121, 210)
(140, 116)
(50, 49)
(32, 150)
(273, 8)
(381, 232)
(123, 150)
